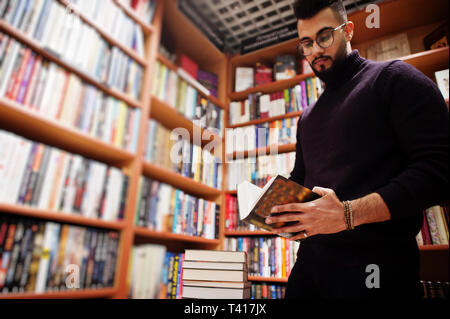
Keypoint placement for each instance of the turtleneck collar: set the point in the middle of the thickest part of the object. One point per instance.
(344, 71)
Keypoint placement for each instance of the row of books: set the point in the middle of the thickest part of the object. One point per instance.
(44, 177)
(155, 273)
(259, 105)
(111, 19)
(249, 138)
(263, 290)
(38, 256)
(182, 157)
(32, 18)
(145, 271)
(283, 68)
(267, 256)
(258, 170)
(161, 207)
(435, 289)
(85, 51)
(435, 226)
(145, 9)
(171, 87)
(45, 88)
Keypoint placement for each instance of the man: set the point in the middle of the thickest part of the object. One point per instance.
(378, 138)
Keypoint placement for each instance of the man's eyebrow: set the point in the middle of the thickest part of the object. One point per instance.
(324, 28)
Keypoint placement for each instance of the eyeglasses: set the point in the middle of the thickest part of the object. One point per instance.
(324, 39)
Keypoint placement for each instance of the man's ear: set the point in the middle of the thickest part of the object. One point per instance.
(349, 29)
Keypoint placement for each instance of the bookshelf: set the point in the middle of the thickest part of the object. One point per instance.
(419, 19)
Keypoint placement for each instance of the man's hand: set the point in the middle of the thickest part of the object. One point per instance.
(321, 216)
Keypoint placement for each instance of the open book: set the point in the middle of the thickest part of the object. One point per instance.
(255, 203)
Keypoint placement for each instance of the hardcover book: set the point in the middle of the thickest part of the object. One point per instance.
(254, 203)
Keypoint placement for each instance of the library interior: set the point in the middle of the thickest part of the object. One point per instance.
(127, 128)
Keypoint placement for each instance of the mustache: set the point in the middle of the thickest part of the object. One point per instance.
(321, 57)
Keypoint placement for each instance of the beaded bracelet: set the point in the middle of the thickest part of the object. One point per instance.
(348, 215)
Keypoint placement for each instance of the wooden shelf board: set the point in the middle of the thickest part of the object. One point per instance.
(278, 149)
(37, 128)
(249, 233)
(146, 27)
(152, 234)
(186, 184)
(397, 16)
(36, 47)
(267, 279)
(128, 51)
(266, 120)
(59, 216)
(231, 192)
(75, 294)
(433, 248)
(429, 61)
(276, 86)
(161, 58)
(171, 119)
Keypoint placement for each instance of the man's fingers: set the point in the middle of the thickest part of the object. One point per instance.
(290, 229)
(291, 207)
(302, 235)
(289, 217)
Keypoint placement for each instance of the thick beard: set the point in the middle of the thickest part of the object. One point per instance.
(338, 61)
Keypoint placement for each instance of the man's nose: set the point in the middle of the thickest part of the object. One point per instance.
(317, 49)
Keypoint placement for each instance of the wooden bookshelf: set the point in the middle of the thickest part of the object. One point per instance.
(75, 294)
(243, 233)
(276, 86)
(152, 234)
(128, 51)
(61, 217)
(146, 27)
(171, 119)
(268, 279)
(276, 149)
(34, 126)
(186, 184)
(35, 46)
(266, 120)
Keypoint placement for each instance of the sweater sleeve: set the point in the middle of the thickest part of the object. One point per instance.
(419, 118)
(298, 173)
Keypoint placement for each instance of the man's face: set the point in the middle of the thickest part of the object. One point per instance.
(323, 60)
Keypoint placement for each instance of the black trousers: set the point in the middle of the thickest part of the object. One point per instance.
(309, 280)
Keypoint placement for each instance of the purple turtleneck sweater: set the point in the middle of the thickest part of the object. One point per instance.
(378, 127)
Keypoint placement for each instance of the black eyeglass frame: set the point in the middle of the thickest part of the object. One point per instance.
(300, 47)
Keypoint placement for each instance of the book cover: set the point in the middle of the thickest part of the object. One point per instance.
(442, 78)
(254, 203)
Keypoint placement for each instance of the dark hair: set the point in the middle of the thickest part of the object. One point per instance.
(306, 9)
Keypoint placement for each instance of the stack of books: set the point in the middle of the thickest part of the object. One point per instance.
(213, 274)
